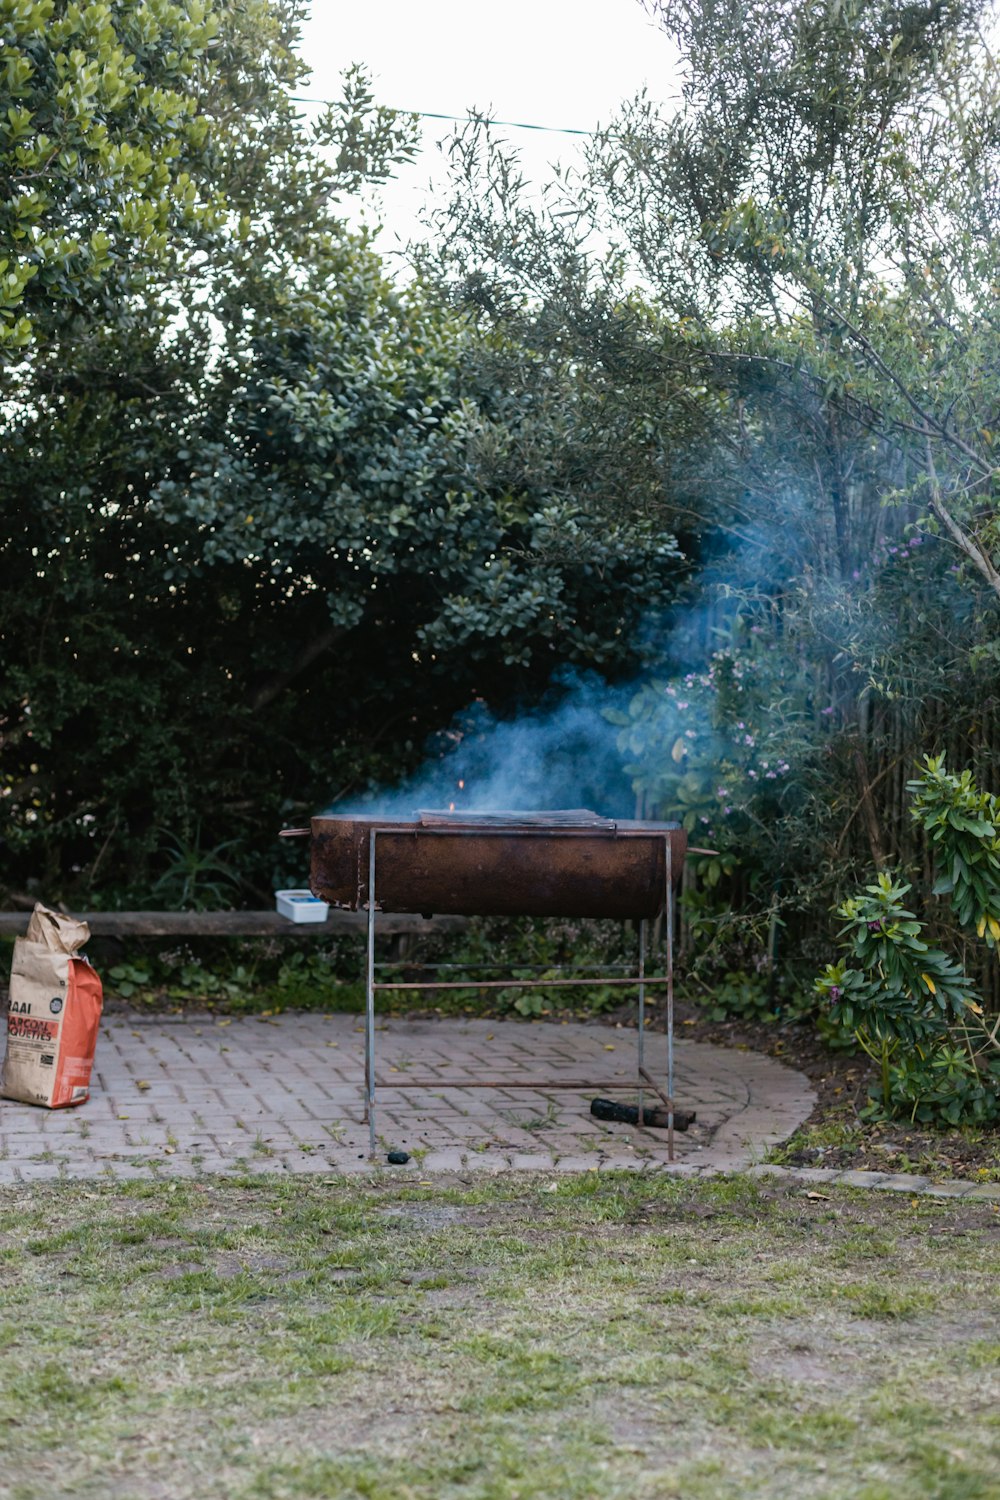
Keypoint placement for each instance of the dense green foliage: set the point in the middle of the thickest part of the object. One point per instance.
(104, 152)
(265, 525)
(909, 1004)
(797, 310)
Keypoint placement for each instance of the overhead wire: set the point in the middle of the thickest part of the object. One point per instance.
(426, 114)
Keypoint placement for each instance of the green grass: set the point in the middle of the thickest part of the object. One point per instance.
(600, 1336)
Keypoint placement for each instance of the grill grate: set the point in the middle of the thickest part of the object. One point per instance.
(574, 817)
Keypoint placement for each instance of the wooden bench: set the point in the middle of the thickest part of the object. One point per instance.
(142, 924)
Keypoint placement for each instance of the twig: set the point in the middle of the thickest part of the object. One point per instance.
(972, 550)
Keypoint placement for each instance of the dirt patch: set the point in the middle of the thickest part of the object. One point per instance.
(230, 1263)
(890, 1148)
(634, 1428)
(851, 1356)
(177, 1269)
(424, 1216)
(391, 1430)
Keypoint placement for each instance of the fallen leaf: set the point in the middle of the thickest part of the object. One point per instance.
(142, 1083)
(823, 1197)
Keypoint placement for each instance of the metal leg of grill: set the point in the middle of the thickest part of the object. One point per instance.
(669, 919)
(642, 1020)
(642, 1075)
(370, 1002)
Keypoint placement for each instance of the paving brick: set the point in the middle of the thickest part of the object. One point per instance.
(815, 1174)
(904, 1182)
(215, 1089)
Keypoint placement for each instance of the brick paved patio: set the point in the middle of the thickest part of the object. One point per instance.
(184, 1095)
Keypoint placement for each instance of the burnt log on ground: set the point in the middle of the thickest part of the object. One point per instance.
(628, 1114)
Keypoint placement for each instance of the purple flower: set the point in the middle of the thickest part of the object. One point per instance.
(875, 927)
(834, 993)
(825, 711)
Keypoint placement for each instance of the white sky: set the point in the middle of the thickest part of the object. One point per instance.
(566, 63)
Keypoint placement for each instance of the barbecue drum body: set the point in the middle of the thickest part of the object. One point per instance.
(537, 865)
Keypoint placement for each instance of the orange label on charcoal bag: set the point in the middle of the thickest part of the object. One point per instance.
(32, 1028)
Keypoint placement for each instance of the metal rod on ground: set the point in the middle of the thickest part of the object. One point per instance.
(574, 1085)
(370, 1000)
(642, 1018)
(407, 963)
(508, 984)
(655, 1087)
(670, 1001)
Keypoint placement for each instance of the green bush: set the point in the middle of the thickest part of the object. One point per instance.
(908, 1004)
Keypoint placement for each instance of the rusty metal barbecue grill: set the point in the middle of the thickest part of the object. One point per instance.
(566, 863)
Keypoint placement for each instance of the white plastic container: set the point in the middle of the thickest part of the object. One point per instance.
(301, 906)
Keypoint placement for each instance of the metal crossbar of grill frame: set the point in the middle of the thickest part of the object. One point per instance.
(641, 980)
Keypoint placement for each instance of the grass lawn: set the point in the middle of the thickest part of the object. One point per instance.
(513, 1339)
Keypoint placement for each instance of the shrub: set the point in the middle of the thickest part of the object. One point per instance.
(909, 1005)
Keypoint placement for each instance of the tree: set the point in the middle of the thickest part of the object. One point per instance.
(826, 202)
(133, 136)
(282, 526)
(794, 286)
(98, 400)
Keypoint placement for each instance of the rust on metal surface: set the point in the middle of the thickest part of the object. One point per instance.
(536, 865)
